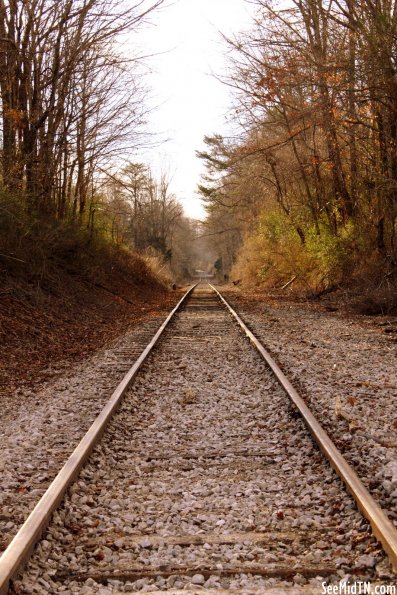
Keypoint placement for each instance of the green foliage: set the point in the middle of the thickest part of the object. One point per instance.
(276, 252)
(35, 247)
(333, 253)
(218, 264)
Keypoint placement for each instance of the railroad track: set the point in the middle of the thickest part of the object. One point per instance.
(200, 475)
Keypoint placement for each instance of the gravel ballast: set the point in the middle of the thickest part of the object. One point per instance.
(206, 480)
(40, 430)
(345, 368)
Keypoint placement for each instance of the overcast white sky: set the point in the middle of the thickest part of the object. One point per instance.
(191, 102)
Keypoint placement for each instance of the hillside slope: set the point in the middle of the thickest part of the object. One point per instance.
(70, 311)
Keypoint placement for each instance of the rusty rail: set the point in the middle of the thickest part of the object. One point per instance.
(19, 550)
(382, 527)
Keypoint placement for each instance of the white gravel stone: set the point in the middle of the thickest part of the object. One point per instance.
(40, 430)
(205, 477)
(198, 579)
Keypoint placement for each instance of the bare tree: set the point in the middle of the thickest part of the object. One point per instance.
(69, 99)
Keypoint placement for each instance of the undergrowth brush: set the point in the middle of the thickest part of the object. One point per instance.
(312, 260)
(36, 248)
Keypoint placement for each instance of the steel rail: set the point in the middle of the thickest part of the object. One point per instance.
(19, 550)
(382, 527)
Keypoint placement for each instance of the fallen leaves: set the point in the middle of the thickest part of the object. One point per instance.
(189, 397)
(64, 321)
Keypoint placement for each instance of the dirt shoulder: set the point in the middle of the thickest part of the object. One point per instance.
(45, 329)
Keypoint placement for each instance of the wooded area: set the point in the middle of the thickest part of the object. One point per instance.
(70, 99)
(90, 240)
(143, 213)
(305, 194)
(73, 109)
(308, 190)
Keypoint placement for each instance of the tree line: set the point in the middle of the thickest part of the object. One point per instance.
(73, 110)
(142, 212)
(70, 99)
(308, 189)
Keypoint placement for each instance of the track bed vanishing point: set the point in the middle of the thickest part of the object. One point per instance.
(206, 478)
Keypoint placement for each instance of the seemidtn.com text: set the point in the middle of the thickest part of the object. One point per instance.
(358, 588)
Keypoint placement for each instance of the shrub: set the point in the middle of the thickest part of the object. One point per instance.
(317, 258)
(36, 247)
